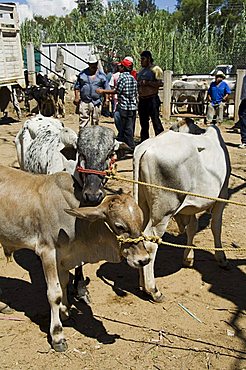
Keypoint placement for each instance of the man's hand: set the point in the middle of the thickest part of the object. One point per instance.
(99, 91)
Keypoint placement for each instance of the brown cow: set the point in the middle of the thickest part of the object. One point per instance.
(33, 216)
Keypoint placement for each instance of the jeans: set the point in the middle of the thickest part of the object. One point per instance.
(149, 108)
(242, 118)
(117, 120)
(127, 123)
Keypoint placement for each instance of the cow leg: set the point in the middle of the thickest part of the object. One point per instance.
(80, 286)
(64, 306)
(147, 277)
(16, 103)
(216, 226)
(191, 229)
(54, 294)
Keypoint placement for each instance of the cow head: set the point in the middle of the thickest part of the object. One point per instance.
(123, 217)
(96, 146)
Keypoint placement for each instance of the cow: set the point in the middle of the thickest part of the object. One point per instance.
(49, 94)
(194, 163)
(193, 92)
(10, 93)
(41, 213)
(41, 143)
(44, 146)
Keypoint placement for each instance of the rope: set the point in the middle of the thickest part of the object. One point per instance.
(158, 240)
(121, 178)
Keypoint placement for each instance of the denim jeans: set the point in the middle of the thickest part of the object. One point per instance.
(117, 120)
(127, 123)
(242, 118)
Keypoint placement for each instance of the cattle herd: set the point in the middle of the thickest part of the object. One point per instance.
(56, 204)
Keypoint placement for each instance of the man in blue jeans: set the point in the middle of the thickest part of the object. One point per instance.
(242, 115)
(126, 89)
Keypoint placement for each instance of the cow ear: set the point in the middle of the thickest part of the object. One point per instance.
(90, 214)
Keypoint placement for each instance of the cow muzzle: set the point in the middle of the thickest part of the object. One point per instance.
(136, 255)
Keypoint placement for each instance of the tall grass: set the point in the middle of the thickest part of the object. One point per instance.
(120, 31)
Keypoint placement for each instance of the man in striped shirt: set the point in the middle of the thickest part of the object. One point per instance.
(126, 89)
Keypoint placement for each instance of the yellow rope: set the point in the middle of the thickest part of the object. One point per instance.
(112, 176)
(158, 240)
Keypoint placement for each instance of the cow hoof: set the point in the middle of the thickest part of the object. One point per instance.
(5, 309)
(158, 297)
(83, 295)
(188, 262)
(86, 298)
(61, 346)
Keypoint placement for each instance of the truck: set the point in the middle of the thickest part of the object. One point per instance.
(11, 62)
(227, 69)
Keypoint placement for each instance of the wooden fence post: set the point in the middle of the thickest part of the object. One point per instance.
(167, 94)
(30, 63)
(240, 75)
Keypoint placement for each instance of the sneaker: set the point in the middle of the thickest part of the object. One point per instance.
(242, 146)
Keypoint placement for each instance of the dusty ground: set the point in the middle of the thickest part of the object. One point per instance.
(121, 329)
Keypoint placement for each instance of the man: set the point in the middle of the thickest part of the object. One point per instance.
(126, 90)
(149, 80)
(133, 72)
(242, 115)
(218, 93)
(88, 81)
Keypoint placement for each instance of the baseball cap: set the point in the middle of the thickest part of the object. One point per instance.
(146, 54)
(130, 59)
(126, 63)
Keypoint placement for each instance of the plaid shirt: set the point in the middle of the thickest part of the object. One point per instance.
(126, 89)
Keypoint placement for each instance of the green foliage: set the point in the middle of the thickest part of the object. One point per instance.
(146, 6)
(177, 41)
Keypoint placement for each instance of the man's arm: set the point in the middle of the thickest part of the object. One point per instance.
(76, 96)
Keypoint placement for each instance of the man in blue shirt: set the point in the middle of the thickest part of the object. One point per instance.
(86, 96)
(218, 93)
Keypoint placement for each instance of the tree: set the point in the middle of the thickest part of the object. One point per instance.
(146, 6)
(84, 6)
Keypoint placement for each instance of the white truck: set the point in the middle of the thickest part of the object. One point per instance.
(227, 69)
(11, 62)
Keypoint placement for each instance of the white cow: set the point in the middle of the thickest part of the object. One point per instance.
(39, 145)
(35, 213)
(193, 163)
(192, 92)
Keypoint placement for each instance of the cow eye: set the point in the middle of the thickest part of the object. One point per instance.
(120, 227)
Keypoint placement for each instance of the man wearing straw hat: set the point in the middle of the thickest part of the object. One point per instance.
(89, 101)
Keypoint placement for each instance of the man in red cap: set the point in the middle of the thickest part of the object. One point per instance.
(126, 89)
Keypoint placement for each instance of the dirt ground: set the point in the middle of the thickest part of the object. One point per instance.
(122, 329)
